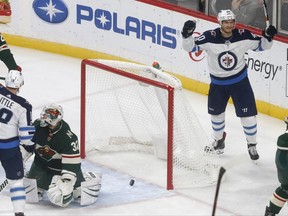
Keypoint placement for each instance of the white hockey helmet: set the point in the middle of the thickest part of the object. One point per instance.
(51, 114)
(225, 15)
(14, 79)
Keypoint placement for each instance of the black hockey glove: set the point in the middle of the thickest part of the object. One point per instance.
(270, 32)
(27, 151)
(29, 148)
(188, 28)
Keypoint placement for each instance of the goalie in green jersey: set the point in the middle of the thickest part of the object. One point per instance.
(57, 163)
(280, 195)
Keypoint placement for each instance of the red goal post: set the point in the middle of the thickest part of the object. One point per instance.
(132, 107)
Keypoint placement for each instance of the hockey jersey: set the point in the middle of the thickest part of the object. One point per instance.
(15, 120)
(6, 56)
(282, 142)
(57, 151)
(226, 56)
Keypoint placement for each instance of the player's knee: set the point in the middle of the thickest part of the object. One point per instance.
(15, 183)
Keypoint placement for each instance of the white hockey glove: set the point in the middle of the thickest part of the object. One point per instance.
(60, 190)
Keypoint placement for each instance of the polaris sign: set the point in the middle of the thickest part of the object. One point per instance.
(131, 26)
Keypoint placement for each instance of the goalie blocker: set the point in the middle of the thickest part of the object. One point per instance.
(62, 193)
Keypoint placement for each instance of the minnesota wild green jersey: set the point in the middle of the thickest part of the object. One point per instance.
(282, 142)
(57, 151)
(281, 159)
(6, 56)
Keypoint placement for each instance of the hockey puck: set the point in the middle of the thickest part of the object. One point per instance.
(132, 181)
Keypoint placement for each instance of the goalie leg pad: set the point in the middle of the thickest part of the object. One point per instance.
(31, 190)
(60, 193)
(89, 188)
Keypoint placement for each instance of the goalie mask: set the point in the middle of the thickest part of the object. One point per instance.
(51, 115)
(14, 79)
(225, 15)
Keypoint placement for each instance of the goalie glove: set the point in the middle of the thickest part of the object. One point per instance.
(60, 190)
(188, 28)
(269, 32)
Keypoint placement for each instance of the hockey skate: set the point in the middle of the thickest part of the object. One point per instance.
(19, 214)
(268, 212)
(217, 146)
(253, 152)
(5, 11)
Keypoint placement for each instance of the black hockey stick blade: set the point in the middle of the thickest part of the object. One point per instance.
(229, 164)
(221, 173)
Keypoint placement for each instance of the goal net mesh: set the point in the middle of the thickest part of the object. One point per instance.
(132, 107)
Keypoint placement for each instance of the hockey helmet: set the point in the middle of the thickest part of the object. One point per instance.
(225, 15)
(51, 115)
(14, 79)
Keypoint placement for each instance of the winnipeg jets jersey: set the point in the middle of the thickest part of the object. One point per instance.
(15, 120)
(225, 56)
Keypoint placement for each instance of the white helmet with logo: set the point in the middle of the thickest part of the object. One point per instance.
(51, 115)
(14, 79)
(225, 15)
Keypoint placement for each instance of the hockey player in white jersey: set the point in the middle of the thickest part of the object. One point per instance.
(225, 47)
(16, 129)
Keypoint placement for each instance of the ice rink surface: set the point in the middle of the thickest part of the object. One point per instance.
(246, 188)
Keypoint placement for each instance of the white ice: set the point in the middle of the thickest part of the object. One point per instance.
(246, 189)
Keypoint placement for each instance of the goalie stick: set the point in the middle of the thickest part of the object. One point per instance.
(5, 182)
(229, 164)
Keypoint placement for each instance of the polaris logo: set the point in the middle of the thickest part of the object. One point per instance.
(51, 11)
(130, 26)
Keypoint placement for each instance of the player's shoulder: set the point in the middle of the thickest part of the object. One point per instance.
(67, 130)
(23, 102)
(213, 33)
(16, 98)
(244, 34)
(212, 36)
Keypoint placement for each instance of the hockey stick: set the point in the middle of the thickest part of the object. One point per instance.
(266, 14)
(5, 182)
(229, 164)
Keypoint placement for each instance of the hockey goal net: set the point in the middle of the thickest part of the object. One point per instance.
(131, 107)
